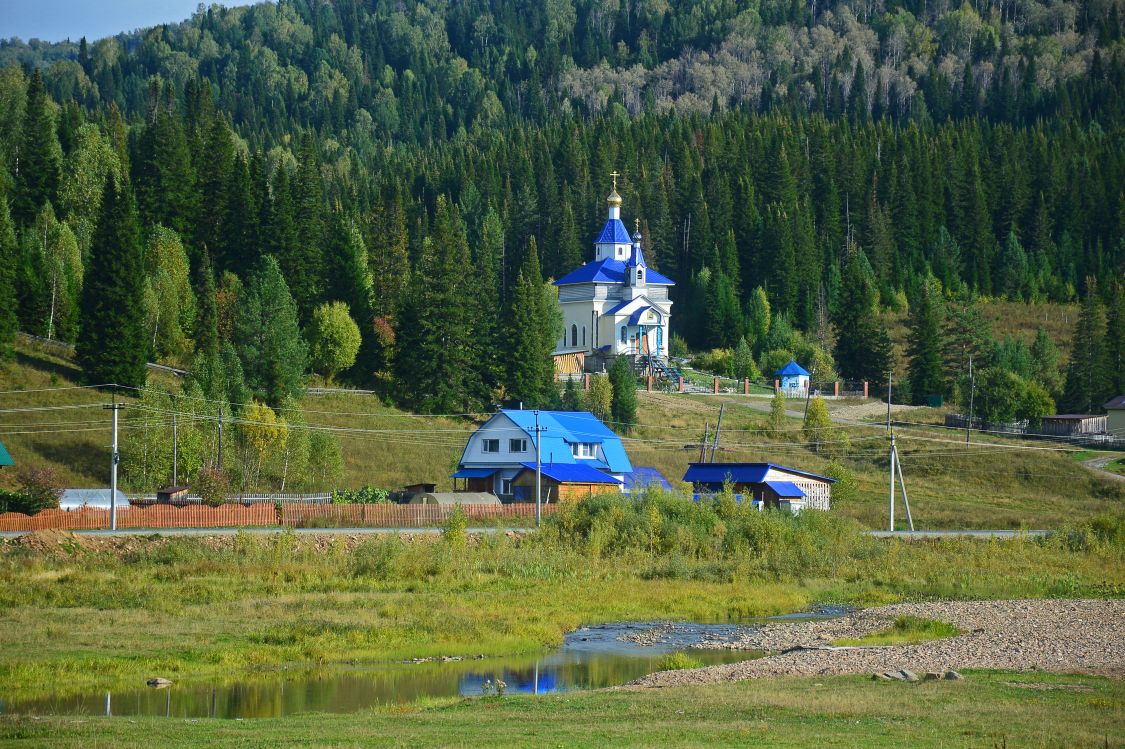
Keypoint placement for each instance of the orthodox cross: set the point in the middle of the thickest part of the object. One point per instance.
(615, 175)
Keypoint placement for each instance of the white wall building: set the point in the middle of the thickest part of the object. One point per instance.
(615, 305)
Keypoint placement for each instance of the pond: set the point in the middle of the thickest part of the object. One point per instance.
(590, 658)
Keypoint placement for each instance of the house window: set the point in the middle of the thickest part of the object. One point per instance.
(573, 335)
(584, 449)
(490, 446)
(624, 334)
(517, 446)
(505, 486)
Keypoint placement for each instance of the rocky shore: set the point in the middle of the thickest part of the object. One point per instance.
(1071, 636)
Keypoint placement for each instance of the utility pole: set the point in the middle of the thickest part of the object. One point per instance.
(889, 374)
(808, 393)
(175, 447)
(114, 459)
(706, 437)
(538, 470)
(972, 392)
(891, 504)
(718, 427)
(220, 465)
(896, 465)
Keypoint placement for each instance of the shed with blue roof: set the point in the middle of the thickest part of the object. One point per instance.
(576, 445)
(793, 379)
(770, 484)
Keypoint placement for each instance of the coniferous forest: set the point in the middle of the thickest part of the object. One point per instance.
(379, 192)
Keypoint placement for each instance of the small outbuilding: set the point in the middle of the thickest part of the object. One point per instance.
(1073, 425)
(770, 484)
(94, 499)
(5, 457)
(561, 481)
(793, 380)
(644, 477)
(455, 498)
(1115, 417)
(172, 495)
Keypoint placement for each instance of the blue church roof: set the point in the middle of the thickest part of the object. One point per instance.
(609, 271)
(636, 316)
(565, 428)
(614, 232)
(791, 369)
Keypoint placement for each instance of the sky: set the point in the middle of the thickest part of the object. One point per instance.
(56, 20)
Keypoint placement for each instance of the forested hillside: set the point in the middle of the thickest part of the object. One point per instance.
(211, 192)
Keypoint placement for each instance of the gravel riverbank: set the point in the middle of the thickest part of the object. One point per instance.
(1070, 636)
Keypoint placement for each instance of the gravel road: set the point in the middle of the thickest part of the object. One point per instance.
(1066, 636)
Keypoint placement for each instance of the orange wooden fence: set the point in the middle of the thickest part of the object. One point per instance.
(292, 514)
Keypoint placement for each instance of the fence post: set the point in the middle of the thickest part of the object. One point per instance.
(681, 384)
(649, 383)
(776, 385)
(746, 386)
(836, 388)
(586, 381)
(715, 385)
(865, 388)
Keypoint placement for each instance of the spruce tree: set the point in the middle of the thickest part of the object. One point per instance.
(530, 339)
(1045, 362)
(436, 361)
(112, 346)
(624, 404)
(863, 346)
(270, 346)
(925, 344)
(9, 254)
(1088, 379)
(40, 156)
(207, 309)
(1115, 340)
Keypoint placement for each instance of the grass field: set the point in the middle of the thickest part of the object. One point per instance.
(96, 612)
(986, 710)
(906, 630)
(986, 485)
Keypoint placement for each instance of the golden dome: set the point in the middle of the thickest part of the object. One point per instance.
(614, 198)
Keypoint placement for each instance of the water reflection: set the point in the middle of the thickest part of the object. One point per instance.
(592, 657)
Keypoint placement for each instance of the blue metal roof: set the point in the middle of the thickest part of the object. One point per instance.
(636, 316)
(609, 270)
(740, 473)
(614, 232)
(474, 473)
(785, 489)
(792, 368)
(637, 257)
(573, 473)
(645, 476)
(5, 456)
(565, 428)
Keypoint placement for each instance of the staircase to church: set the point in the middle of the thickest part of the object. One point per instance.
(657, 365)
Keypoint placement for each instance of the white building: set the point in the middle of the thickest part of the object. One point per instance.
(615, 305)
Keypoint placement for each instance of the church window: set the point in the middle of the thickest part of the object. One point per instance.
(573, 335)
(624, 334)
(640, 275)
(583, 336)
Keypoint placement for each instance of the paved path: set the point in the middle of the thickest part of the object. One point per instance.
(906, 535)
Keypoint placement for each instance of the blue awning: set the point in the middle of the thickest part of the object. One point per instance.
(786, 489)
(572, 473)
(474, 473)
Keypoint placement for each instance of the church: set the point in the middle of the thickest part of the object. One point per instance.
(614, 305)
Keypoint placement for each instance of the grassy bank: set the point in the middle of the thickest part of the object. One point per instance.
(987, 709)
(110, 612)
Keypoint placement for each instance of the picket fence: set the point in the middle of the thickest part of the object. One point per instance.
(292, 515)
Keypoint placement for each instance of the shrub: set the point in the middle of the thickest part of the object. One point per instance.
(212, 484)
(454, 531)
(40, 487)
(678, 661)
(365, 495)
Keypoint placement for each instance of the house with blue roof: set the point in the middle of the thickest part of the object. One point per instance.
(767, 484)
(579, 455)
(615, 305)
